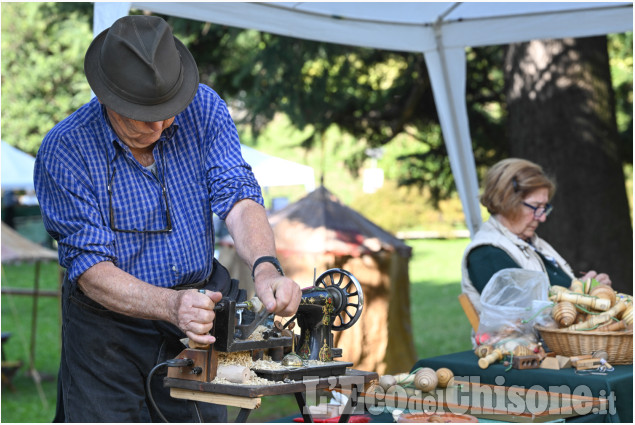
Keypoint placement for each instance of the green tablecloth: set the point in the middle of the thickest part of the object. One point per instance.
(616, 386)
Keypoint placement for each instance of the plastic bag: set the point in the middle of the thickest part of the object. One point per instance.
(511, 302)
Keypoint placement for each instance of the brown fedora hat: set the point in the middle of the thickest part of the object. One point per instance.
(140, 70)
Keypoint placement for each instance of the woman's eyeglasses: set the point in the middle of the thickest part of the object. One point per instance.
(540, 211)
(168, 219)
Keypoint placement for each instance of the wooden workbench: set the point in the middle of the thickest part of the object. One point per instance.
(248, 397)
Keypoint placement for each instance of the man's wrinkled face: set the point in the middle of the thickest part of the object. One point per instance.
(137, 134)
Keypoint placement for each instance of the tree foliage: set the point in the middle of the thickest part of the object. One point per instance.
(372, 95)
(43, 48)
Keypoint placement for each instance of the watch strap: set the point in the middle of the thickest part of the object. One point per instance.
(266, 259)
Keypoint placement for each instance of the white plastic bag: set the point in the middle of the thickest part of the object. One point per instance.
(511, 301)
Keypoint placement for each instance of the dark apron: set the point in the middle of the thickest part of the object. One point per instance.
(106, 358)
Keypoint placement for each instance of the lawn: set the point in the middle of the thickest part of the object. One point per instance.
(439, 324)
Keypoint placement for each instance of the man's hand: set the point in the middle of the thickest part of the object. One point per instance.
(194, 314)
(279, 294)
(253, 238)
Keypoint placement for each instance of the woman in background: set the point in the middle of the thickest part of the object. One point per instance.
(516, 193)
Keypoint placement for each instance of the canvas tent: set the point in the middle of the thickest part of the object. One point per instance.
(17, 169)
(318, 233)
(273, 171)
(439, 30)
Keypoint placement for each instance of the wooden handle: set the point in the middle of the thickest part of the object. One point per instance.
(197, 345)
(404, 378)
(493, 357)
(612, 326)
(599, 319)
(601, 304)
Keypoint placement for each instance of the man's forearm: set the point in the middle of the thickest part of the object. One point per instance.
(123, 293)
(248, 224)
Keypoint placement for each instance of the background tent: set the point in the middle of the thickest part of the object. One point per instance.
(17, 169)
(318, 233)
(439, 30)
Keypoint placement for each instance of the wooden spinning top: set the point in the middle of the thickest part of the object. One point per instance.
(564, 313)
(522, 350)
(387, 381)
(426, 379)
(604, 291)
(444, 377)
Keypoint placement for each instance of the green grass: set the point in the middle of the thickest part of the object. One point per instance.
(31, 402)
(439, 325)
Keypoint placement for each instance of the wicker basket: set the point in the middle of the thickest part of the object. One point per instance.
(618, 345)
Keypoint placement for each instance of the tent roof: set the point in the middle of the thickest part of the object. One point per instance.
(320, 223)
(440, 30)
(17, 168)
(16, 248)
(410, 26)
(273, 171)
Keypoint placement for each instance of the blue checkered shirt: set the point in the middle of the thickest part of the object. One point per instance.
(198, 162)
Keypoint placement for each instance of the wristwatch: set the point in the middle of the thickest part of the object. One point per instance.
(266, 259)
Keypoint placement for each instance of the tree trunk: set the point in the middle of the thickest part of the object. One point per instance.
(562, 116)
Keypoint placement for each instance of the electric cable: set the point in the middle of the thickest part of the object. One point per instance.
(169, 363)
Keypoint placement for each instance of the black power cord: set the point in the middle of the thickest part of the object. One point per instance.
(169, 363)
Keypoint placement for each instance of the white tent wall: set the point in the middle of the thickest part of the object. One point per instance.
(439, 30)
(273, 171)
(17, 168)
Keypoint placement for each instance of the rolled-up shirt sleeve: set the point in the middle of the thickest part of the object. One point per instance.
(70, 211)
(230, 179)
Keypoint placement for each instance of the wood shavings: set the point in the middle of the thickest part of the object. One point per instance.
(253, 380)
(243, 358)
(256, 335)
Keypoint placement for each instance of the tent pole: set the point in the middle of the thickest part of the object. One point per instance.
(454, 124)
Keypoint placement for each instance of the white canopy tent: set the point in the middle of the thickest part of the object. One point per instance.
(273, 171)
(17, 168)
(439, 30)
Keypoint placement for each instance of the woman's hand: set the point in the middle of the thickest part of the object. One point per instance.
(603, 278)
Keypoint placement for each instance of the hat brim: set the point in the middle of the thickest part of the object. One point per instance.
(135, 111)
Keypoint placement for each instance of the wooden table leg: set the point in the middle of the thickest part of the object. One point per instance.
(350, 405)
(304, 410)
(243, 414)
